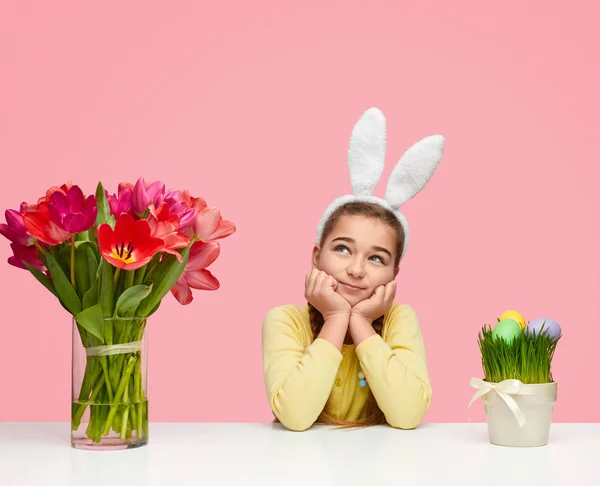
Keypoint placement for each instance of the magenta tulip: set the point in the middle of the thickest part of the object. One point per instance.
(15, 229)
(74, 212)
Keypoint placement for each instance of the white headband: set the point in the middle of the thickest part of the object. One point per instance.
(366, 159)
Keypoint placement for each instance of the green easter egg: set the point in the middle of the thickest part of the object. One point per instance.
(508, 329)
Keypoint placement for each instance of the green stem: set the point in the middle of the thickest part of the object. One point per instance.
(73, 260)
(116, 276)
(89, 376)
(129, 276)
(140, 273)
(83, 406)
(124, 382)
(103, 362)
(138, 396)
(125, 418)
(145, 421)
(100, 415)
(133, 414)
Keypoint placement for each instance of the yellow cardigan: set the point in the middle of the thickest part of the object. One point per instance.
(303, 376)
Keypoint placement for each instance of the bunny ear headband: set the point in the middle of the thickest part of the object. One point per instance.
(366, 157)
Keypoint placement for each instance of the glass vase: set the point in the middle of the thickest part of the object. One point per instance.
(109, 384)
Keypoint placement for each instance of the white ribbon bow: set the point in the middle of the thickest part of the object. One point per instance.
(505, 389)
(111, 349)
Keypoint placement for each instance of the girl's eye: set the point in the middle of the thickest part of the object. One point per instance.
(339, 247)
(380, 259)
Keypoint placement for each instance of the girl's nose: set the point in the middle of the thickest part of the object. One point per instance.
(356, 268)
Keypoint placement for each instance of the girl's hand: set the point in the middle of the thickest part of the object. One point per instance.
(320, 292)
(377, 305)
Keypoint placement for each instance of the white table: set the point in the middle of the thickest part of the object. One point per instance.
(266, 454)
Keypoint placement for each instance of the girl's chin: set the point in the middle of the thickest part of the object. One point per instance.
(352, 298)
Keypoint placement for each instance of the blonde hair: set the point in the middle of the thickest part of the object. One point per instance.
(371, 412)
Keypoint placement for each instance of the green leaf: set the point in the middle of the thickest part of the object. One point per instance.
(82, 278)
(82, 236)
(164, 277)
(106, 288)
(92, 262)
(42, 278)
(130, 300)
(64, 259)
(103, 206)
(64, 289)
(154, 310)
(91, 296)
(92, 320)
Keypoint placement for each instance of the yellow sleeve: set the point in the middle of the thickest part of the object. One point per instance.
(298, 378)
(395, 367)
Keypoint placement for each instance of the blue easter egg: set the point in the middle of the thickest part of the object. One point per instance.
(363, 383)
(551, 327)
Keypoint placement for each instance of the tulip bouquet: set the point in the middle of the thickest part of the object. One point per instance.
(110, 260)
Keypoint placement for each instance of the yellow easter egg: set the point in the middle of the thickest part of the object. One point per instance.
(513, 314)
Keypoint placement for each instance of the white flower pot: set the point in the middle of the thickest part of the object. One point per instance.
(536, 403)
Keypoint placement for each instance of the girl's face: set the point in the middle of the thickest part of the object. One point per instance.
(360, 254)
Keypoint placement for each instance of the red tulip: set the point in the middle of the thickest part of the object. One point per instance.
(195, 275)
(39, 224)
(130, 245)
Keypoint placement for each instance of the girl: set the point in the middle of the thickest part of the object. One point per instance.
(352, 356)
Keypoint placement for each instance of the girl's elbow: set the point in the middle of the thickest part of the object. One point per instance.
(292, 417)
(404, 423)
(408, 418)
(295, 423)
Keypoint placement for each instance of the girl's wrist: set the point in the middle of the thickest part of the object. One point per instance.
(340, 317)
(360, 320)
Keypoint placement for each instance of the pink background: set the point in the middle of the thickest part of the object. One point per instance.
(250, 105)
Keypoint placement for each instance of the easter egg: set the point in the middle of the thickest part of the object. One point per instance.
(551, 327)
(508, 329)
(513, 314)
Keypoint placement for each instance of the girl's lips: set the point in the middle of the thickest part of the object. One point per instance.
(351, 288)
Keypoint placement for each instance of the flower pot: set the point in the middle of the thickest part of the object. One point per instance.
(534, 401)
(109, 385)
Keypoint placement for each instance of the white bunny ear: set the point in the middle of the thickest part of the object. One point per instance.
(366, 152)
(414, 169)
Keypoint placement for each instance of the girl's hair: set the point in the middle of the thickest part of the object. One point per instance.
(372, 413)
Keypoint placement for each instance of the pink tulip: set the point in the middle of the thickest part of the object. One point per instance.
(144, 195)
(123, 203)
(185, 214)
(15, 230)
(195, 275)
(209, 225)
(27, 254)
(165, 225)
(74, 212)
